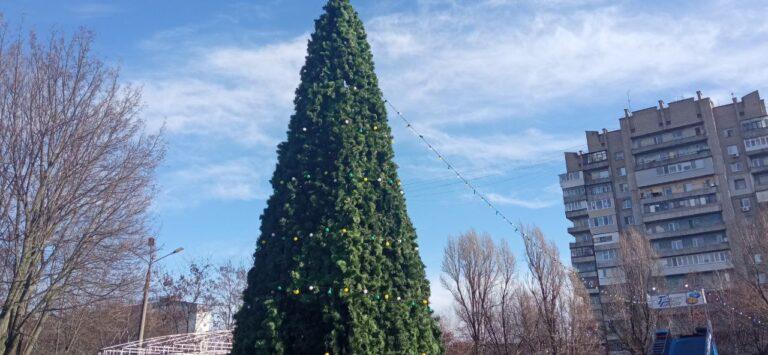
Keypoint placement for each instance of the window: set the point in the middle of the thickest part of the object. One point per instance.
(622, 171)
(596, 157)
(575, 205)
(746, 204)
(680, 167)
(600, 174)
(697, 259)
(687, 223)
(626, 204)
(618, 156)
(600, 204)
(604, 238)
(583, 238)
(733, 150)
(584, 267)
(736, 167)
(574, 191)
(629, 220)
(740, 184)
(606, 255)
(600, 189)
(755, 123)
(624, 187)
(575, 175)
(728, 132)
(601, 221)
(756, 143)
(677, 244)
(581, 252)
(758, 258)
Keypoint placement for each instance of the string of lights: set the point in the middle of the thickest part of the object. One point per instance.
(526, 238)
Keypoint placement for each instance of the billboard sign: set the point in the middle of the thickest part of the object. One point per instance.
(674, 300)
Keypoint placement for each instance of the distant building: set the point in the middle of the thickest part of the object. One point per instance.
(182, 317)
(679, 172)
(168, 316)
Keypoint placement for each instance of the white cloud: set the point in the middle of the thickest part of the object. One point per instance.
(441, 299)
(468, 62)
(233, 180)
(237, 94)
(93, 10)
(476, 77)
(534, 204)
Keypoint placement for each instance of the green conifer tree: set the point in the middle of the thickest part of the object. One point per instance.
(337, 268)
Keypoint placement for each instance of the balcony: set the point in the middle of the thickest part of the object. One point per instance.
(583, 258)
(689, 269)
(705, 191)
(669, 144)
(574, 198)
(682, 232)
(572, 179)
(578, 229)
(607, 263)
(580, 244)
(681, 212)
(693, 250)
(656, 163)
(595, 165)
(591, 181)
(758, 169)
(650, 177)
(576, 214)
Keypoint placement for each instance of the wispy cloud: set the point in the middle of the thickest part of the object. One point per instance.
(234, 180)
(470, 63)
(534, 203)
(238, 94)
(92, 10)
(477, 77)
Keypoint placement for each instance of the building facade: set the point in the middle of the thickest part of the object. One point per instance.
(679, 173)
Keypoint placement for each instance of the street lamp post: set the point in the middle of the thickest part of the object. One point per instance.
(144, 302)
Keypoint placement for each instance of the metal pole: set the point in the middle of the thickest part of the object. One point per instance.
(151, 243)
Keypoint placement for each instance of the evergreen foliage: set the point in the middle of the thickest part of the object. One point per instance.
(336, 268)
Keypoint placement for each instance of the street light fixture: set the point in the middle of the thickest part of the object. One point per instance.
(151, 261)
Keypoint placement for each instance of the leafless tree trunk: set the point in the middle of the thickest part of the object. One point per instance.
(503, 332)
(75, 182)
(545, 311)
(227, 293)
(470, 272)
(581, 329)
(547, 284)
(627, 310)
(747, 291)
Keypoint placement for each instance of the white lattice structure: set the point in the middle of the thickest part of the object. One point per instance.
(216, 342)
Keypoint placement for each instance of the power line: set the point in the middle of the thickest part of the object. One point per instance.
(475, 191)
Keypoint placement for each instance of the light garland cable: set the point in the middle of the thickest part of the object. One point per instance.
(475, 191)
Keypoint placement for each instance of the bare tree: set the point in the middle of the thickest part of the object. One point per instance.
(629, 315)
(580, 328)
(227, 293)
(502, 322)
(469, 273)
(744, 300)
(182, 297)
(750, 258)
(76, 179)
(548, 279)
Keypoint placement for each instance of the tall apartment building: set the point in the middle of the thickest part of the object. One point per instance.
(679, 173)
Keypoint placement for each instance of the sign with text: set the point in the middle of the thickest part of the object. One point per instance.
(673, 300)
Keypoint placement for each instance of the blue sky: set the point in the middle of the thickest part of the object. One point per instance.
(502, 87)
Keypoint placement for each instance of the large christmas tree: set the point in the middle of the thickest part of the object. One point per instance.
(337, 268)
